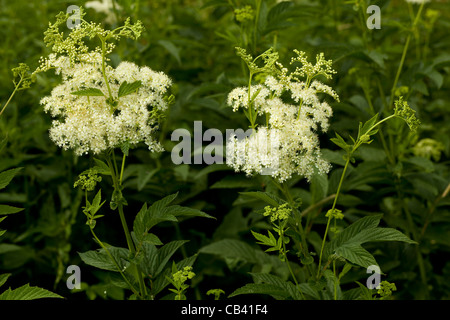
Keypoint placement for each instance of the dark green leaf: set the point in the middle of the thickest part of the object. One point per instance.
(261, 288)
(100, 259)
(347, 244)
(179, 211)
(6, 176)
(268, 198)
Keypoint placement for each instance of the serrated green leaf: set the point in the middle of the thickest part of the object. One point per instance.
(241, 251)
(155, 260)
(268, 198)
(128, 88)
(26, 292)
(102, 167)
(367, 125)
(180, 211)
(90, 92)
(381, 234)
(166, 252)
(347, 243)
(340, 142)
(261, 288)
(277, 281)
(148, 238)
(96, 205)
(231, 248)
(356, 254)
(161, 282)
(7, 176)
(149, 217)
(345, 270)
(100, 258)
(234, 181)
(269, 241)
(334, 291)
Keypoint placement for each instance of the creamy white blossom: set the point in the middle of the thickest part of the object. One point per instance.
(106, 7)
(90, 124)
(288, 142)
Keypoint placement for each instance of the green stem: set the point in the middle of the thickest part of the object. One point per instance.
(308, 83)
(298, 222)
(122, 169)
(126, 230)
(349, 155)
(335, 277)
(290, 269)
(117, 184)
(250, 104)
(402, 60)
(115, 262)
(104, 67)
(255, 30)
(11, 96)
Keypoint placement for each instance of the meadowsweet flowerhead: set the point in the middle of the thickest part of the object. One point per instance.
(281, 212)
(182, 275)
(244, 14)
(287, 143)
(22, 78)
(404, 111)
(335, 213)
(385, 290)
(98, 107)
(88, 179)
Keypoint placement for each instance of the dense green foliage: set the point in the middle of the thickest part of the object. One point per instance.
(385, 200)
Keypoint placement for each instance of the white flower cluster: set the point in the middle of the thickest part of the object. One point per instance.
(288, 144)
(87, 123)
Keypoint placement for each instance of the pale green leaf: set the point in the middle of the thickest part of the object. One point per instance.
(26, 292)
(5, 209)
